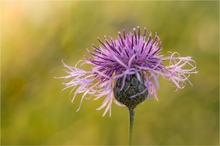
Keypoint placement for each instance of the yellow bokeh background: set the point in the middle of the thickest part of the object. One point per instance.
(36, 36)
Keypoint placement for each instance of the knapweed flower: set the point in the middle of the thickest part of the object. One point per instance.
(127, 70)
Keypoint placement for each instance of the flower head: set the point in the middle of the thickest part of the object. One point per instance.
(127, 70)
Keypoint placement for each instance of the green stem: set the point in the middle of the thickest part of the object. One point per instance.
(131, 114)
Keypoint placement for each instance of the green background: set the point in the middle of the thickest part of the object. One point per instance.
(36, 36)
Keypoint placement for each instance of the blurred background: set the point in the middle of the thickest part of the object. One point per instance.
(36, 36)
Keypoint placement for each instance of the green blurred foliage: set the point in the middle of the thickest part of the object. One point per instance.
(36, 36)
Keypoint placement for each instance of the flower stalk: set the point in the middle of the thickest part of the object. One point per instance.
(131, 117)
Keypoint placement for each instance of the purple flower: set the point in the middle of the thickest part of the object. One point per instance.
(131, 57)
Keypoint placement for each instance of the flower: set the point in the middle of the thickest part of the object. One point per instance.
(116, 64)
